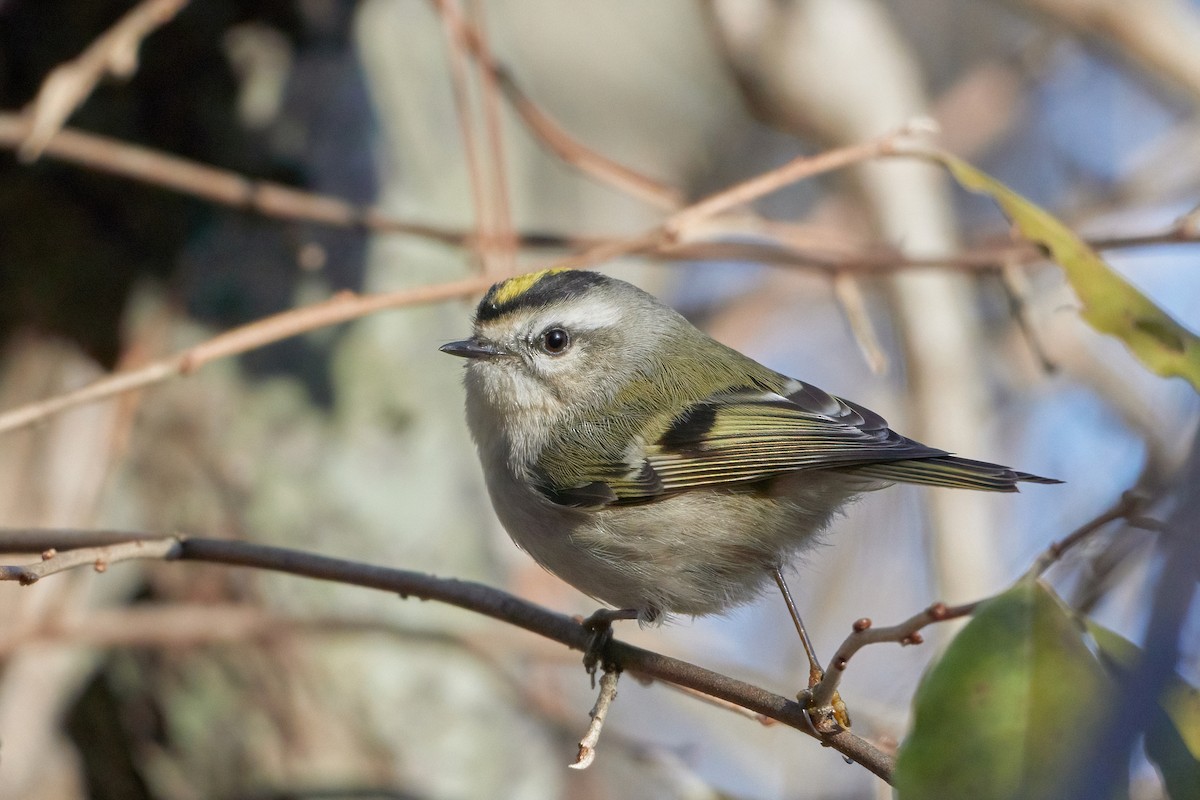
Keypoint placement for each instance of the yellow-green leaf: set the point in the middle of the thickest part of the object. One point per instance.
(1009, 710)
(1111, 304)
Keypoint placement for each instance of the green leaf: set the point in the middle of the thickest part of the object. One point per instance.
(1110, 303)
(1173, 736)
(1009, 710)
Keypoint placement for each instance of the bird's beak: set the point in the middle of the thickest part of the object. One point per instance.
(472, 348)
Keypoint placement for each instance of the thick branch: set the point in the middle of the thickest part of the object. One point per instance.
(481, 599)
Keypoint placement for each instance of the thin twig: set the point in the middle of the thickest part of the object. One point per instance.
(275, 200)
(340, 308)
(795, 170)
(590, 162)
(1130, 505)
(451, 17)
(490, 602)
(501, 257)
(599, 712)
(99, 558)
(850, 298)
(908, 632)
(69, 84)
(573, 152)
(657, 242)
(1016, 288)
(863, 634)
(216, 185)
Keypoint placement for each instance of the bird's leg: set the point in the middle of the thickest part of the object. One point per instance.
(837, 712)
(600, 624)
(815, 673)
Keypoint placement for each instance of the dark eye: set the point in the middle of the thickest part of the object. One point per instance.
(555, 341)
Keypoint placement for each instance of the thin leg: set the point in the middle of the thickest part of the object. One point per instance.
(815, 673)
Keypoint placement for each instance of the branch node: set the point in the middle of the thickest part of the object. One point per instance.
(49, 553)
(861, 625)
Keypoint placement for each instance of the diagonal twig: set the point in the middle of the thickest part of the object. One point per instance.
(342, 307)
(114, 52)
(1128, 507)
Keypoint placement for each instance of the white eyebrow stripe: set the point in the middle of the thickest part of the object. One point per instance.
(588, 316)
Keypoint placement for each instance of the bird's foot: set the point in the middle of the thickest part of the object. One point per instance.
(599, 625)
(828, 719)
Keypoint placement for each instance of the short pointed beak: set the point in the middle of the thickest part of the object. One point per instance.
(472, 348)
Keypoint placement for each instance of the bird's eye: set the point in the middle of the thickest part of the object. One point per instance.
(555, 341)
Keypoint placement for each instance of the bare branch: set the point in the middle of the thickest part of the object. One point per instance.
(68, 85)
(481, 599)
(599, 712)
(822, 695)
(863, 634)
(773, 180)
(1129, 506)
(451, 17)
(849, 295)
(339, 308)
(97, 557)
(217, 185)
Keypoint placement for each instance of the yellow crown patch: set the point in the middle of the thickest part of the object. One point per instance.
(511, 289)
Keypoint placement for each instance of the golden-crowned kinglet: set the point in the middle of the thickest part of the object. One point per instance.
(653, 467)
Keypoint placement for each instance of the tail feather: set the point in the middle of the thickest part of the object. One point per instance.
(950, 471)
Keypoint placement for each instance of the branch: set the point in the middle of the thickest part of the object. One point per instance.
(599, 713)
(278, 201)
(341, 307)
(69, 84)
(822, 695)
(98, 557)
(1128, 507)
(662, 241)
(472, 596)
(215, 185)
(906, 633)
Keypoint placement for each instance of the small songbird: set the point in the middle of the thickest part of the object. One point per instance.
(654, 468)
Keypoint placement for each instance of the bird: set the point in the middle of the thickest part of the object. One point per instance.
(655, 469)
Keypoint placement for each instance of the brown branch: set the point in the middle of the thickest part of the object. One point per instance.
(798, 169)
(574, 153)
(1129, 507)
(848, 292)
(659, 242)
(114, 52)
(98, 558)
(599, 713)
(503, 233)
(220, 186)
(339, 308)
(278, 201)
(590, 162)
(451, 18)
(863, 634)
(481, 599)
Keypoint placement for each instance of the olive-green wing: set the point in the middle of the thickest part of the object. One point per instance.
(745, 436)
(749, 436)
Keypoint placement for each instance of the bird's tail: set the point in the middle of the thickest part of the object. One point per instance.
(950, 471)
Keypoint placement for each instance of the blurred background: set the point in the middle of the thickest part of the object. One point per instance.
(186, 681)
